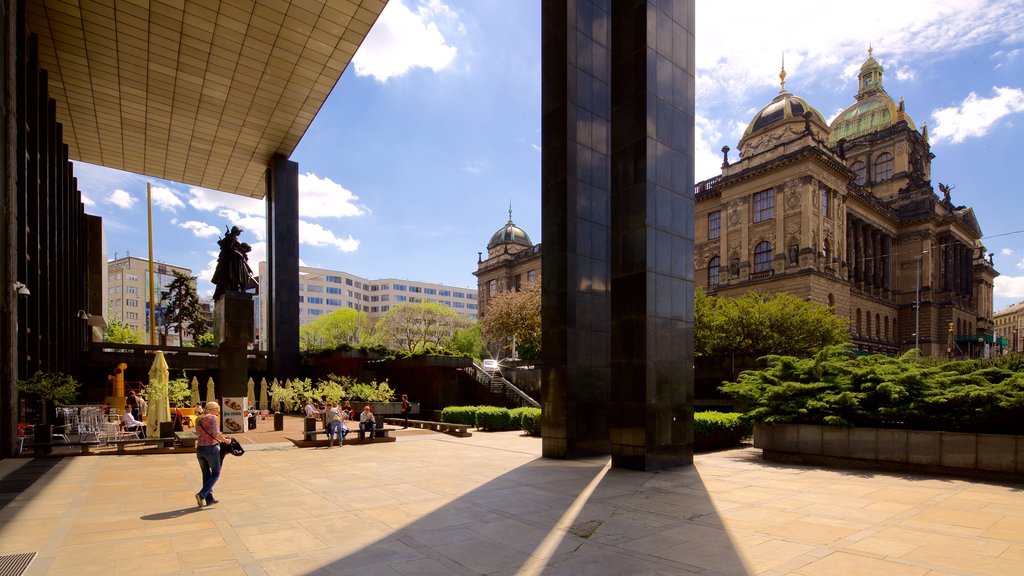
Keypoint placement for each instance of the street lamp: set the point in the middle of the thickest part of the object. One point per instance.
(917, 305)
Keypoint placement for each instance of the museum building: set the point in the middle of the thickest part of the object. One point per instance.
(845, 214)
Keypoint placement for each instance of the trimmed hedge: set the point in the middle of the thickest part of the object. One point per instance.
(459, 415)
(493, 418)
(527, 418)
(717, 430)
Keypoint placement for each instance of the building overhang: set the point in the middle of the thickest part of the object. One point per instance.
(193, 91)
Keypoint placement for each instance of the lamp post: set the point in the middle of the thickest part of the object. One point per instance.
(917, 304)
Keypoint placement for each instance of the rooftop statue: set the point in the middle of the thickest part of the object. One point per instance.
(233, 272)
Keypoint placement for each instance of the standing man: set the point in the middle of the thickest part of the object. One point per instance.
(208, 439)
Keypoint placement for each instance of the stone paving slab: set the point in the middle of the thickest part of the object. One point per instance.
(431, 504)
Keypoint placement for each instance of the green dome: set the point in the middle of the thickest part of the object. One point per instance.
(873, 111)
(510, 234)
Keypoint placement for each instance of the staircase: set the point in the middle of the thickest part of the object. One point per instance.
(499, 385)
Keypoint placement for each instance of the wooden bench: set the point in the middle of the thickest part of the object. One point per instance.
(459, 430)
(186, 439)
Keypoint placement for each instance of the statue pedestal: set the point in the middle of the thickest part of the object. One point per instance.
(233, 332)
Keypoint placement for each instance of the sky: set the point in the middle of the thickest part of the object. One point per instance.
(433, 131)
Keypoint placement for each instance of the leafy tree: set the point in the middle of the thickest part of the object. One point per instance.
(120, 333)
(205, 341)
(344, 326)
(468, 341)
(51, 387)
(182, 312)
(178, 391)
(411, 327)
(758, 325)
(514, 316)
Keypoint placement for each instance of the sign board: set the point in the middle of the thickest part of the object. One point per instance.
(233, 413)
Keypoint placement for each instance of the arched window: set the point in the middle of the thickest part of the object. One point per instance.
(894, 329)
(492, 288)
(860, 173)
(867, 324)
(878, 327)
(713, 268)
(831, 300)
(885, 328)
(858, 321)
(883, 167)
(763, 256)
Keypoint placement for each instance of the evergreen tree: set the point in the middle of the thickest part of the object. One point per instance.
(182, 312)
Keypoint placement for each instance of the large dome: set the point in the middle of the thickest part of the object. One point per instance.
(874, 109)
(510, 234)
(784, 109)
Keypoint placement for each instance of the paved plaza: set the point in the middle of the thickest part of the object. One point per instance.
(434, 504)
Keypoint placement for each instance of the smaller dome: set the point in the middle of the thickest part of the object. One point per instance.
(510, 234)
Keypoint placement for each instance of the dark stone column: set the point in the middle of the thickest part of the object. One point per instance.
(8, 242)
(652, 233)
(849, 249)
(233, 331)
(283, 268)
(575, 119)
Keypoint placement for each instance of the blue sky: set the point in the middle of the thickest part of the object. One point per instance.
(434, 129)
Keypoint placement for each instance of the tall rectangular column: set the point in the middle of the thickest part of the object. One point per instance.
(575, 119)
(283, 267)
(652, 233)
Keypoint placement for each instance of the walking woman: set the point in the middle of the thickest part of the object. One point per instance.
(208, 439)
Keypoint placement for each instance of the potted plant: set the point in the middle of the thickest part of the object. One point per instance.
(52, 388)
(280, 395)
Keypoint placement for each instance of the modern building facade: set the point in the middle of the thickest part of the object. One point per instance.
(845, 214)
(128, 293)
(512, 262)
(216, 96)
(617, 105)
(323, 291)
(1009, 326)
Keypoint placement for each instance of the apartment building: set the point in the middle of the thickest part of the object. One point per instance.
(128, 291)
(323, 291)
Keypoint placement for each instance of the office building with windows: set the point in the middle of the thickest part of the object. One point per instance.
(845, 214)
(324, 291)
(1009, 327)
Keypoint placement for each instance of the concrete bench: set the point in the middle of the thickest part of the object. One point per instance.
(351, 440)
(311, 435)
(121, 445)
(85, 446)
(459, 430)
(186, 439)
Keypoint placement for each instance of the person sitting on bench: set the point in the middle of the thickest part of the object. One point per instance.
(367, 422)
(130, 424)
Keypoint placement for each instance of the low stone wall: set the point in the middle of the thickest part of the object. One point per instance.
(910, 450)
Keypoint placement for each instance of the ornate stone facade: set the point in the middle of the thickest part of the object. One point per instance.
(512, 261)
(846, 215)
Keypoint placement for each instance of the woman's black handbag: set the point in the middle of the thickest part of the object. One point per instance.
(233, 448)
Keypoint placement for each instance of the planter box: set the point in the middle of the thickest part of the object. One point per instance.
(909, 450)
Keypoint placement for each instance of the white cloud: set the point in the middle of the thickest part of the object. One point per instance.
(904, 74)
(200, 229)
(475, 168)
(403, 39)
(166, 199)
(316, 235)
(1009, 286)
(324, 198)
(707, 158)
(975, 116)
(731, 65)
(122, 199)
(255, 225)
(1006, 251)
(1020, 264)
(536, 147)
(88, 201)
(211, 200)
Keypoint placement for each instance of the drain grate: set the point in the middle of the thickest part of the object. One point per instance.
(15, 564)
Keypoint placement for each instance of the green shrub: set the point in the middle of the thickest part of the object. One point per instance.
(527, 418)
(459, 415)
(717, 430)
(493, 419)
(907, 392)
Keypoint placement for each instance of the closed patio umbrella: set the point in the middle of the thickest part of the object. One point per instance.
(288, 403)
(263, 394)
(250, 393)
(210, 396)
(159, 407)
(195, 391)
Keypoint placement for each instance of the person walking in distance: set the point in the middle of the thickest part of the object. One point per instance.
(406, 407)
(208, 439)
